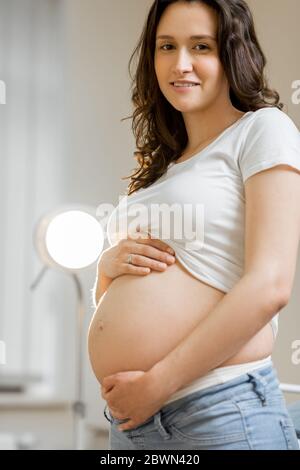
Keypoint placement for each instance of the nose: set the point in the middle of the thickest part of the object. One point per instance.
(183, 62)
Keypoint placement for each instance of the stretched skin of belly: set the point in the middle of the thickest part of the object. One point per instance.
(140, 319)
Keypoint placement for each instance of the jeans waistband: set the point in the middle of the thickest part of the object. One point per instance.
(264, 379)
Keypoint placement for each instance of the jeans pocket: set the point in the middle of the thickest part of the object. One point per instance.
(216, 425)
(109, 418)
(268, 427)
(289, 433)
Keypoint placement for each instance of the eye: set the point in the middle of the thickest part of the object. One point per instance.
(202, 45)
(162, 47)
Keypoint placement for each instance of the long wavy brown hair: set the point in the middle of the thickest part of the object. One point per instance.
(158, 127)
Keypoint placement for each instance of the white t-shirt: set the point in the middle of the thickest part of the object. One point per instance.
(207, 191)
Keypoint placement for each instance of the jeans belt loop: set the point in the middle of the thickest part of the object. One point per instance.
(259, 385)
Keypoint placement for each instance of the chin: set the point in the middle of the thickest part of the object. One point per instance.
(194, 108)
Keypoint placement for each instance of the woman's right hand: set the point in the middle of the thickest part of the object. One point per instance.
(146, 254)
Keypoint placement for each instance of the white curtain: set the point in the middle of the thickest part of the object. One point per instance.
(31, 182)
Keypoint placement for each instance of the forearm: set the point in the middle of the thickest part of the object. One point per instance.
(231, 324)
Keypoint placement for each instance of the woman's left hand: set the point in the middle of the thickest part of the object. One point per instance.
(133, 395)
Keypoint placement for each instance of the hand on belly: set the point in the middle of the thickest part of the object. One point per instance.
(140, 320)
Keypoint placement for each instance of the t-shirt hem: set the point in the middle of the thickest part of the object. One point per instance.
(269, 164)
(206, 279)
(218, 376)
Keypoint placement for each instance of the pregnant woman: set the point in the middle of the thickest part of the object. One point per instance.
(185, 321)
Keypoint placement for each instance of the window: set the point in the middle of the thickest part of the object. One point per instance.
(31, 136)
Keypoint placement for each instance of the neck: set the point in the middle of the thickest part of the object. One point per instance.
(207, 127)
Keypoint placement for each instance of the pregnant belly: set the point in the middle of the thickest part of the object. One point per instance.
(140, 319)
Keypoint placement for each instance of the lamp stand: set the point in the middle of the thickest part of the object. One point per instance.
(79, 406)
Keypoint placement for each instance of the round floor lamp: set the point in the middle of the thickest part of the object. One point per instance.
(71, 239)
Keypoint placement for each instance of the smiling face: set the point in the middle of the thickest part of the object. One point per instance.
(182, 58)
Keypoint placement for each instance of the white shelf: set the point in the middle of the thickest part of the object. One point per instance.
(33, 397)
(290, 388)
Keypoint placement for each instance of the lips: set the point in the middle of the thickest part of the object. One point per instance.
(184, 83)
(184, 87)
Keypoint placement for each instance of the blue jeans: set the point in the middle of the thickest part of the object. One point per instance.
(245, 413)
